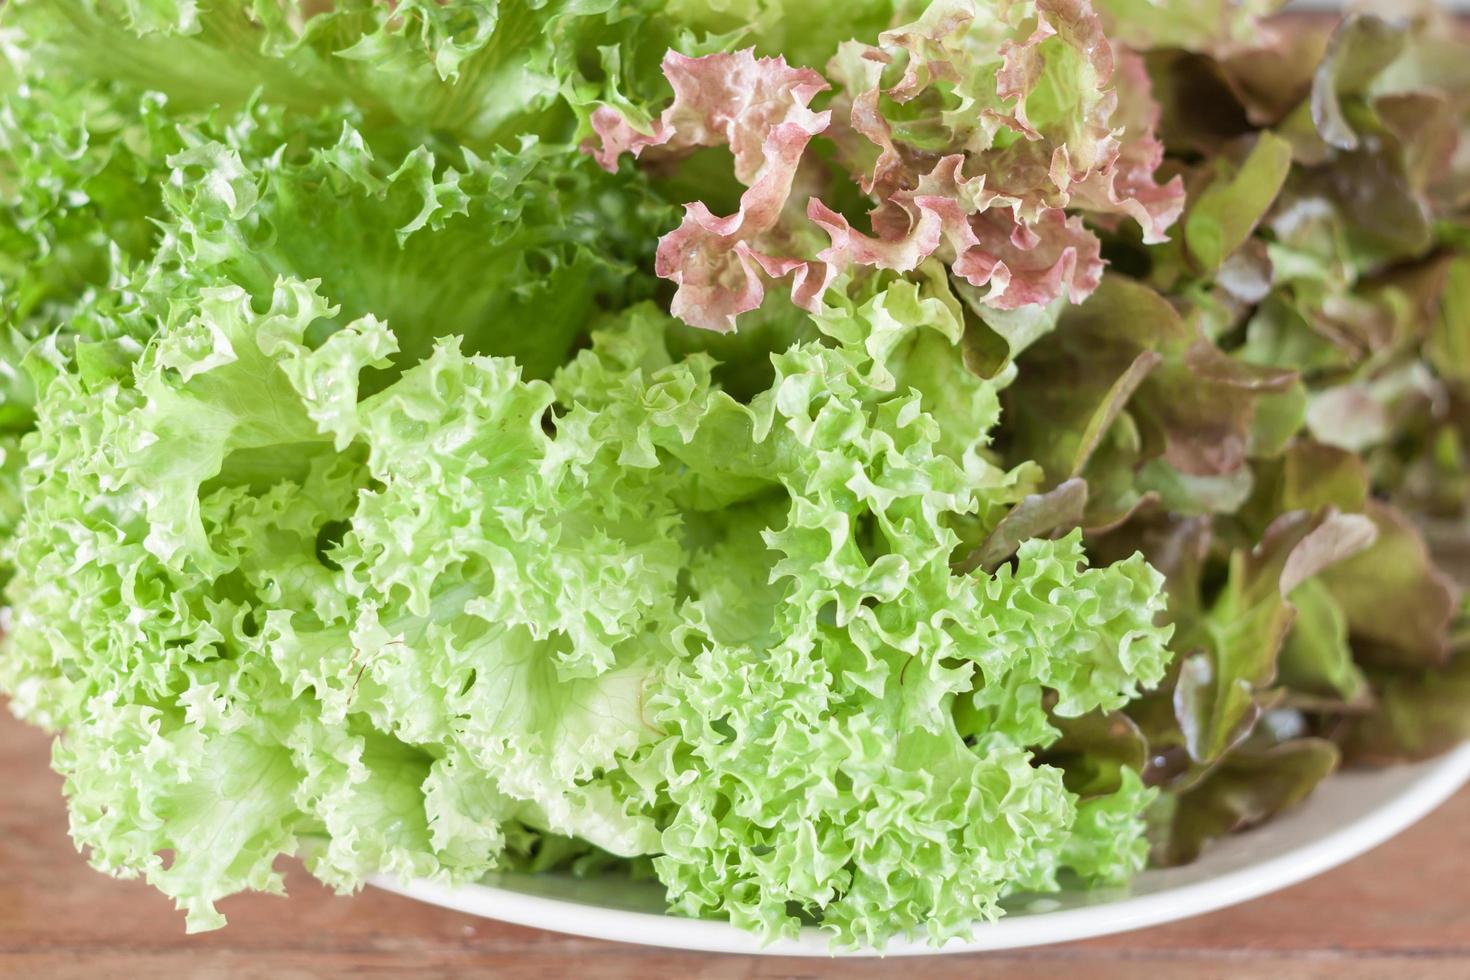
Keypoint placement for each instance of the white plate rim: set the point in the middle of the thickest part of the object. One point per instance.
(1438, 783)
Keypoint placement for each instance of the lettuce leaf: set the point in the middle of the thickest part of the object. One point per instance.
(397, 597)
(970, 132)
(1318, 279)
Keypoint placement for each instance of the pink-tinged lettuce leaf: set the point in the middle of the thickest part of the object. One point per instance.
(1129, 187)
(729, 99)
(1016, 264)
(1031, 107)
(1067, 48)
(715, 262)
(758, 107)
(1030, 264)
(616, 136)
(973, 134)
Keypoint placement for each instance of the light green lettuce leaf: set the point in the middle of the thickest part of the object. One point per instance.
(471, 603)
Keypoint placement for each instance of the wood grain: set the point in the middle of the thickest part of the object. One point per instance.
(1401, 911)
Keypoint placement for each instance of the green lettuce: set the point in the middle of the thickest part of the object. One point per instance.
(363, 504)
(1063, 476)
(421, 616)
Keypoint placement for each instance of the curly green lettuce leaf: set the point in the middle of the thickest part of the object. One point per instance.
(80, 169)
(796, 795)
(442, 244)
(429, 616)
(805, 34)
(485, 72)
(792, 795)
(146, 150)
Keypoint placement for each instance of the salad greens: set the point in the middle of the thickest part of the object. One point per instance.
(852, 464)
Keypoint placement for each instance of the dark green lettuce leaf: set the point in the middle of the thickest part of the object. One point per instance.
(1095, 750)
(1419, 715)
(1358, 53)
(1249, 787)
(1036, 515)
(1341, 266)
(1399, 605)
(1129, 395)
(1218, 696)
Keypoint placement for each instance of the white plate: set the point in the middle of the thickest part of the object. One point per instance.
(1349, 814)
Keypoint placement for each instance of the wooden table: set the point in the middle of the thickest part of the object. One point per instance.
(1401, 911)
